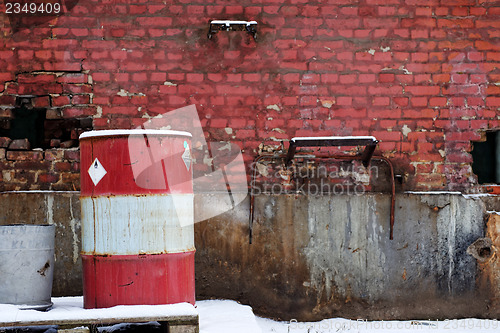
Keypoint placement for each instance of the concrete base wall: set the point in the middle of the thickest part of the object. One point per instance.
(318, 256)
(61, 209)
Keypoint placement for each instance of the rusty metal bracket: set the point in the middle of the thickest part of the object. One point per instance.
(369, 142)
(228, 25)
(367, 155)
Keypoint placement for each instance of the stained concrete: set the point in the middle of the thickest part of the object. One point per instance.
(322, 256)
(313, 257)
(61, 209)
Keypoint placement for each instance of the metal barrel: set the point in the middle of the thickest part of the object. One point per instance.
(27, 265)
(137, 217)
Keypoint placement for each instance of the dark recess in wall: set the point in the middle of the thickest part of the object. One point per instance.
(485, 160)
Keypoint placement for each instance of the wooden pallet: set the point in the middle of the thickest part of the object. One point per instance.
(170, 324)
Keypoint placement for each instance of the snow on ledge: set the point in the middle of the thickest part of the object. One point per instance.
(467, 196)
(71, 308)
(478, 195)
(434, 192)
(229, 22)
(41, 191)
(334, 138)
(122, 132)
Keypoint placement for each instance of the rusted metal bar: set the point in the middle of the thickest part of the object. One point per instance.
(367, 154)
(393, 193)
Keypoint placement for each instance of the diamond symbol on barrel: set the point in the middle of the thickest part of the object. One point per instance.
(96, 171)
(186, 157)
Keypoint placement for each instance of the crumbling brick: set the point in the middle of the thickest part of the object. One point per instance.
(20, 144)
(5, 142)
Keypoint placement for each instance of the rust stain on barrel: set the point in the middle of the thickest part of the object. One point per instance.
(42, 270)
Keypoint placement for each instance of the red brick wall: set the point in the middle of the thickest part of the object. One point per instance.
(423, 76)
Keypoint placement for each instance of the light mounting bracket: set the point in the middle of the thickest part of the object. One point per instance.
(228, 25)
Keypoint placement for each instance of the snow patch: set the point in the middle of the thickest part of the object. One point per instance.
(42, 191)
(225, 316)
(334, 138)
(92, 134)
(71, 308)
(434, 192)
(222, 316)
(229, 22)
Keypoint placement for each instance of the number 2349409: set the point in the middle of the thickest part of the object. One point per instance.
(32, 8)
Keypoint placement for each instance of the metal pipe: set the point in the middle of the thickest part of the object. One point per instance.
(393, 193)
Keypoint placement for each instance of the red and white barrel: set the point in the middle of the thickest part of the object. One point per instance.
(137, 217)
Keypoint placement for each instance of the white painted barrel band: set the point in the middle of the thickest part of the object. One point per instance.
(137, 224)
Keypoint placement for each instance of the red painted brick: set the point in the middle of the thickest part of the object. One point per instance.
(418, 22)
(20, 155)
(455, 23)
(423, 90)
(154, 21)
(401, 101)
(381, 101)
(329, 78)
(386, 77)
(252, 77)
(347, 78)
(77, 112)
(61, 100)
(308, 101)
(313, 53)
(493, 101)
(419, 101)
(366, 78)
(438, 101)
(158, 77)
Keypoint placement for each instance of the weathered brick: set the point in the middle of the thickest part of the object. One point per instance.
(19, 144)
(5, 142)
(316, 67)
(423, 90)
(48, 178)
(21, 155)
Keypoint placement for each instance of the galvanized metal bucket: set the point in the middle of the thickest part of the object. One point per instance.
(27, 265)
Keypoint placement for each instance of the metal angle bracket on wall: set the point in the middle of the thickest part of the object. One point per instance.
(228, 25)
(370, 144)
